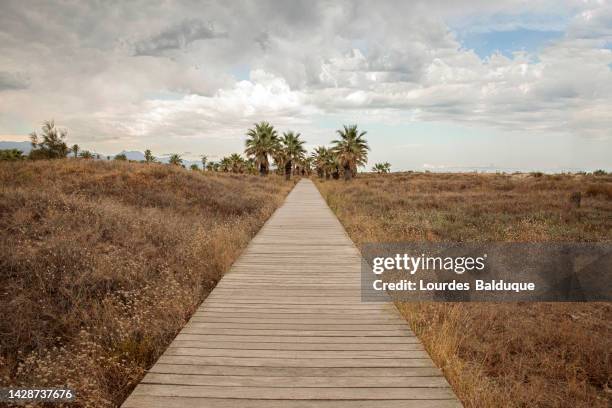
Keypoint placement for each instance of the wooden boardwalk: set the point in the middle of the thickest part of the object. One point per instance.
(285, 327)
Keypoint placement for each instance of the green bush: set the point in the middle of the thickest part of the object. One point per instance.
(11, 154)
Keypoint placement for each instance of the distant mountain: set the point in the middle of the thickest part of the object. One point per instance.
(134, 155)
(186, 163)
(25, 147)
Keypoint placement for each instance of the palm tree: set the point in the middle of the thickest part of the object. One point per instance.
(204, 158)
(86, 154)
(75, 149)
(302, 166)
(293, 151)
(382, 168)
(262, 142)
(176, 159)
(307, 165)
(225, 164)
(236, 163)
(149, 158)
(351, 150)
(318, 156)
(279, 157)
(331, 165)
(212, 166)
(325, 162)
(250, 166)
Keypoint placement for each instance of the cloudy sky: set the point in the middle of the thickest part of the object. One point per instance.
(514, 84)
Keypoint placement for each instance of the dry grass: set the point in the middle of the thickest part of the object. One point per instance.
(103, 262)
(496, 355)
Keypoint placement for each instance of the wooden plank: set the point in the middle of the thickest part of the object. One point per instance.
(192, 369)
(289, 310)
(298, 326)
(287, 327)
(318, 354)
(292, 382)
(147, 401)
(296, 362)
(287, 304)
(254, 319)
(278, 332)
(178, 342)
(204, 337)
(295, 393)
(379, 317)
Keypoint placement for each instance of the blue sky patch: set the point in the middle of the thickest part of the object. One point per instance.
(507, 42)
(241, 72)
(164, 95)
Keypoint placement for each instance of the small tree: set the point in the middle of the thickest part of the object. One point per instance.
(382, 168)
(176, 159)
(149, 158)
(86, 154)
(194, 167)
(50, 143)
(121, 157)
(75, 150)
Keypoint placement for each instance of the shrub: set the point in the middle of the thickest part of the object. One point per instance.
(103, 262)
(600, 189)
(496, 354)
(11, 155)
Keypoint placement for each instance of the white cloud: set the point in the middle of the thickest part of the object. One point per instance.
(385, 61)
(177, 37)
(227, 113)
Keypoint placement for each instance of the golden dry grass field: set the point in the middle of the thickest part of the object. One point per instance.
(494, 354)
(103, 262)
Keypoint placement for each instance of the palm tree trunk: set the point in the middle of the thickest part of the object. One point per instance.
(288, 166)
(262, 169)
(348, 172)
